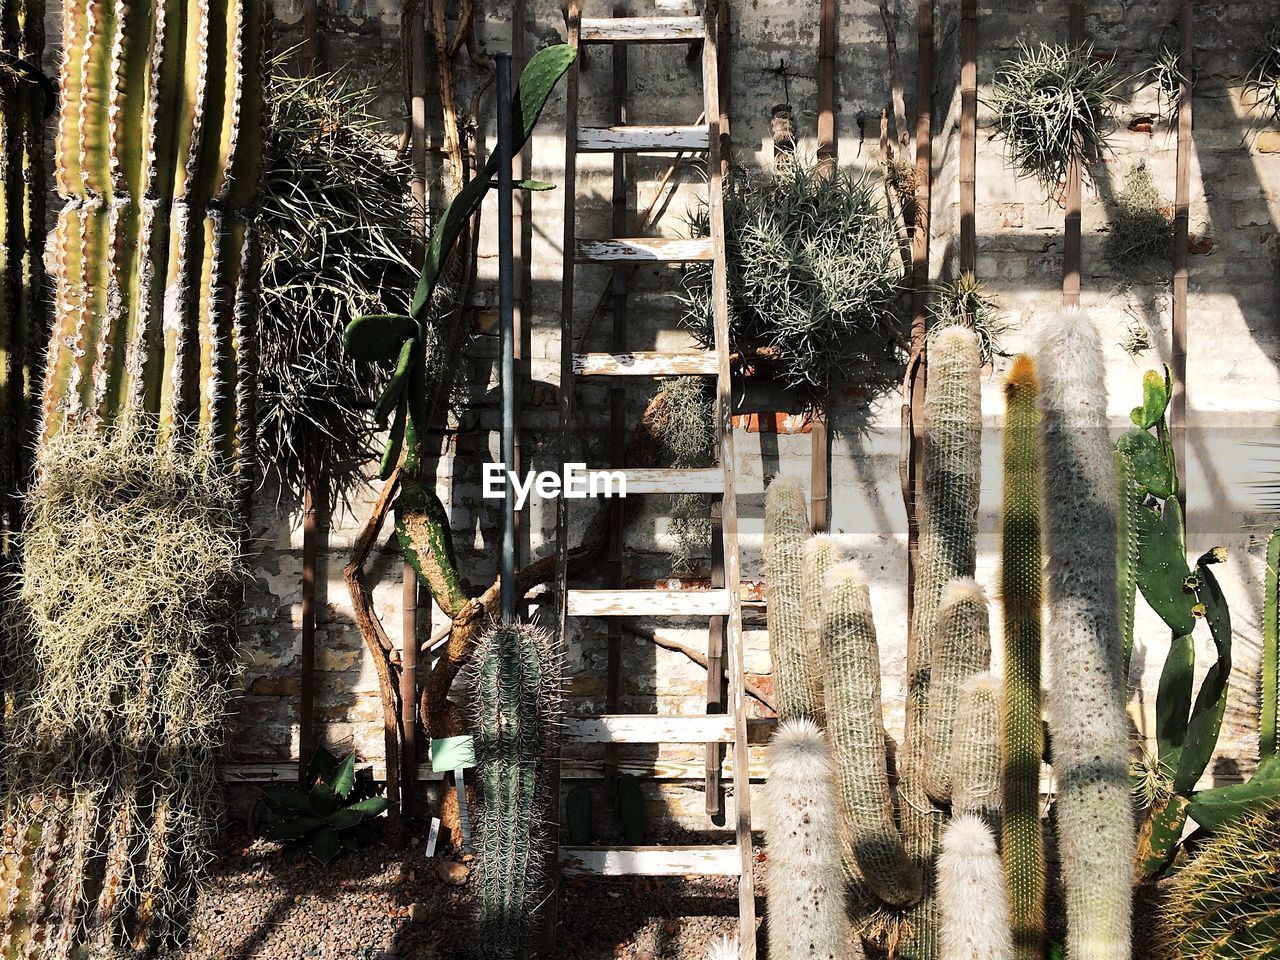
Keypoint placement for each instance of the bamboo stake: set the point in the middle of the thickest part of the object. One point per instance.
(1071, 223)
(1181, 229)
(828, 151)
(522, 331)
(968, 138)
(307, 654)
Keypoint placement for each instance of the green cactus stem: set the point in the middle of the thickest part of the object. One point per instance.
(796, 676)
(1270, 668)
(975, 758)
(872, 846)
(820, 555)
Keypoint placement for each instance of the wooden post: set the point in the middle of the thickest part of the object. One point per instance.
(311, 493)
(968, 137)
(1181, 229)
(409, 693)
(828, 153)
(310, 35)
(1071, 223)
(523, 331)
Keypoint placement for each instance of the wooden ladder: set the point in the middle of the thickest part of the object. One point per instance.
(720, 603)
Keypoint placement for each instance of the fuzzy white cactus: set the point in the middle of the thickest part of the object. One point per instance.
(722, 948)
(807, 919)
(1087, 719)
(971, 897)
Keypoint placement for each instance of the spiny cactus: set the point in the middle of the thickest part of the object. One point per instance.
(722, 948)
(1022, 726)
(159, 157)
(975, 757)
(961, 648)
(514, 679)
(872, 845)
(820, 555)
(795, 671)
(1270, 666)
(1087, 689)
(1225, 904)
(803, 874)
(974, 915)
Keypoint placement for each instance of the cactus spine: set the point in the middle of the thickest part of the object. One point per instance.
(1022, 726)
(803, 873)
(820, 555)
(515, 685)
(971, 898)
(159, 157)
(1087, 689)
(975, 758)
(961, 648)
(1270, 666)
(795, 670)
(873, 848)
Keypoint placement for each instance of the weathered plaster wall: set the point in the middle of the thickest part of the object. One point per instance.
(1233, 385)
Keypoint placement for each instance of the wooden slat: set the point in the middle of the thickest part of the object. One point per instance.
(641, 30)
(648, 728)
(648, 603)
(665, 480)
(641, 139)
(716, 860)
(644, 250)
(643, 364)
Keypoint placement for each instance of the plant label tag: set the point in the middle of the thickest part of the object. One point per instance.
(433, 837)
(452, 753)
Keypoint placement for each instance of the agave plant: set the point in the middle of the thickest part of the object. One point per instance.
(333, 813)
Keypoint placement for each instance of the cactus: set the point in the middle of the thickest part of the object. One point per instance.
(1022, 726)
(1087, 689)
(802, 873)
(975, 756)
(961, 648)
(974, 914)
(820, 555)
(1270, 667)
(514, 679)
(795, 671)
(1225, 904)
(722, 948)
(872, 846)
(159, 157)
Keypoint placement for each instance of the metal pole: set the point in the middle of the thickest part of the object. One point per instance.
(506, 324)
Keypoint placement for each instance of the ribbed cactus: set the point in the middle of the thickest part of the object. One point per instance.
(1270, 666)
(961, 648)
(514, 681)
(803, 876)
(1225, 904)
(1022, 724)
(159, 158)
(973, 912)
(975, 756)
(1087, 687)
(820, 555)
(873, 848)
(796, 679)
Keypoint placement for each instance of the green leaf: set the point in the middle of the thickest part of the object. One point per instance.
(1155, 400)
(344, 777)
(1211, 700)
(537, 81)
(395, 386)
(526, 185)
(322, 765)
(1162, 571)
(288, 798)
(1173, 699)
(349, 816)
(295, 829)
(1151, 469)
(1219, 806)
(378, 336)
(1160, 835)
(371, 806)
(323, 798)
(326, 845)
(395, 440)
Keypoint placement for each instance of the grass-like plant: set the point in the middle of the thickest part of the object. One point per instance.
(1262, 82)
(1053, 105)
(965, 302)
(814, 272)
(686, 429)
(1165, 73)
(336, 228)
(1141, 228)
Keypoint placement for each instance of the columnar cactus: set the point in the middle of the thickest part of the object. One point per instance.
(1022, 725)
(961, 648)
(159, 159)
(514, 681)
(820, 555)
(795, 672)
(1270, 666)
(873, 847)
(1087, 686)
(974, 915)
(975, 757)
(803, 874)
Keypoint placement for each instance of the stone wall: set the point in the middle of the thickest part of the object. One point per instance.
(1233, 384)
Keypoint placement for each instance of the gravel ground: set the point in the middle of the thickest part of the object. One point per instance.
(271, 903)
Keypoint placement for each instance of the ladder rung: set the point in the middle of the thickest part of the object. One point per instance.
(648, 603)
(724, 860)
(638, 139)
(644, 364)
(649, 728)
(642, 30)
(645, 250)
(662, 480)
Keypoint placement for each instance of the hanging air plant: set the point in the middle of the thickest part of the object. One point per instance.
(1166, 75)
(1141, 226)
(335, 230)
(965, 302)
(815, 269)
(1262, 82)
(1053, 105)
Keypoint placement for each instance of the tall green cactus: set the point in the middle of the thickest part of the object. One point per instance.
(1268, 745)
(872, 846)
(961, 648)
(820, 555)
(514, 681)
(975, 756)
(1022, 726)
(1089, 727)
(796, 678)
(159, 159)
